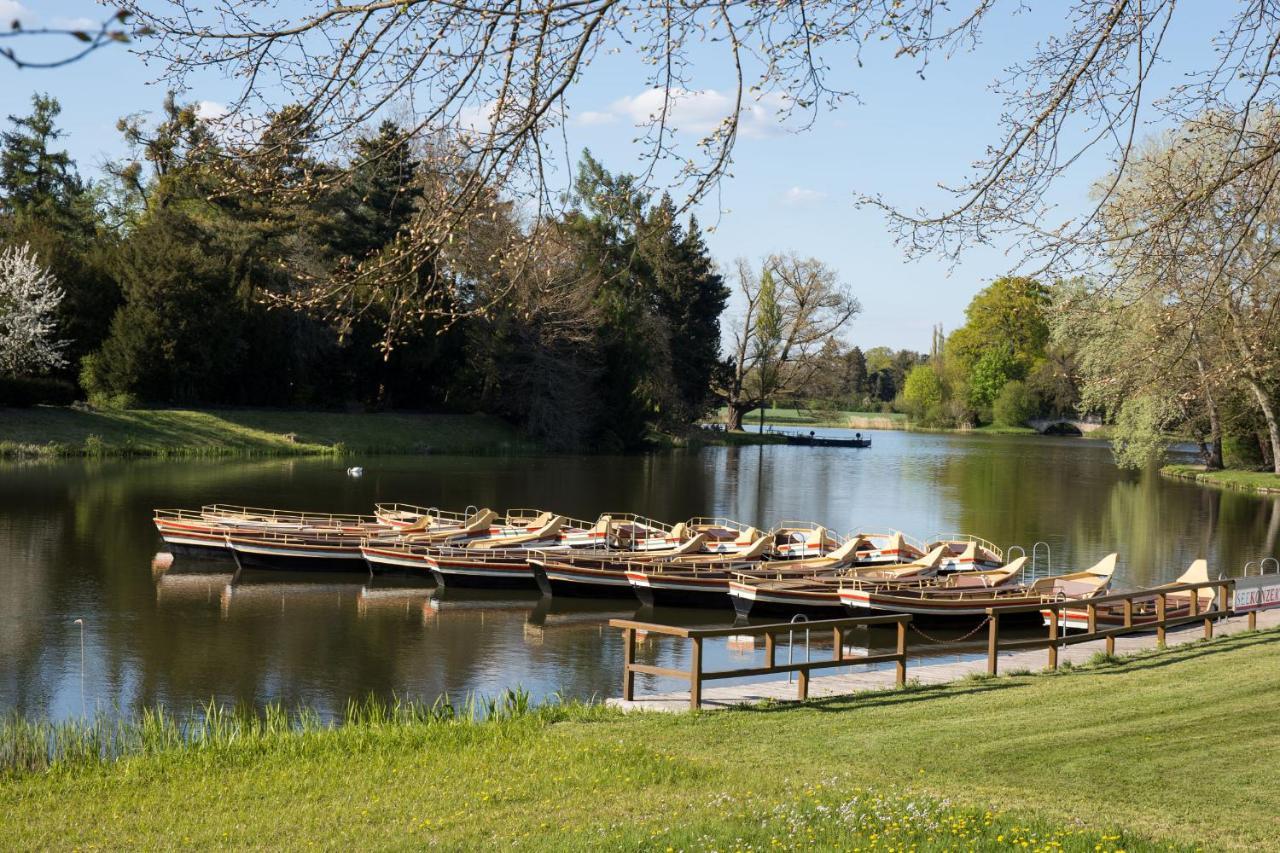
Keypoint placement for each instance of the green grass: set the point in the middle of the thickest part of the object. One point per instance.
(823, 418)
(52, 432)
(1170, 749)
(1000, 429)
(1249, 481)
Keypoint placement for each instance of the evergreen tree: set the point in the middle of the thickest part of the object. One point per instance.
(178, 336)
(45, 205)
(855, 372)
(35, 179)
(690, 297)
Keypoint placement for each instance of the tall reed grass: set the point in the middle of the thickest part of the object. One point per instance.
(34, 746)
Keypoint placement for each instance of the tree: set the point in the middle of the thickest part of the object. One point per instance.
(177, 338)
(497, 78)
(792, 307)
(690, 297)
(855, 372)
(1203, 256)
(29, 299)
(922, 392)
(45, 205)
(33, 177)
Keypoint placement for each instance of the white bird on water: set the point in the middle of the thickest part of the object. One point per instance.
(355, 471)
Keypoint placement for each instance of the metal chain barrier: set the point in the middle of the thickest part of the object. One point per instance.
(960, 639)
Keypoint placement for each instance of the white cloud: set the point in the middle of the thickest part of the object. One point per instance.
(592, 117)
(82, 23)
(12, 10)
(211, 110)
(802, 195)
(702, 111)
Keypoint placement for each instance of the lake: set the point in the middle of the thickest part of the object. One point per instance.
(76, 542)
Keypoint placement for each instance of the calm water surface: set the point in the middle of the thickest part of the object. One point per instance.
(76, 541)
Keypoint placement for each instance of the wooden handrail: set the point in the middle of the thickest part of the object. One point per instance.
(695, 674)
(1160, 595)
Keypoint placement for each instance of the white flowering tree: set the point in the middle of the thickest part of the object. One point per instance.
(29, 298)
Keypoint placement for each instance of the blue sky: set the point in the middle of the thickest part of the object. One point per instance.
(789, 190)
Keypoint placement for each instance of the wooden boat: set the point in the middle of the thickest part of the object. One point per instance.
(966, 552)
(500, 560)
(970, 594)
(892, 547)
(796, 539)
(599, 574)
(206, 529)
(812, 586)
(1144, 609)
(812, 440)
(699, 580)
(722, 535)
(606, 575)
(302, 550)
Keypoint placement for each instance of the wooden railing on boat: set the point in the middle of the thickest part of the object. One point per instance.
(695, 674)
(1219, 609)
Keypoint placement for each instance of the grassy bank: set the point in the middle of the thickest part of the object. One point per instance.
(823, 418)
(53, 432)
(1263, 482)
(1171, 749)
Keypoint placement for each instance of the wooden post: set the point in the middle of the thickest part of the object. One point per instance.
(1253, 620)
(993, 643)
(628, 658)
(695, 675)
(770, 649)
(802, 685)
(1161, 601)
(902, 653)
(1053, 637)
(837, 640)
(1093, 617)
(1208, 621)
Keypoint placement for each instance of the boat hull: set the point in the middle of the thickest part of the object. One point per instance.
(666, 592)
(493, 574)
(758, 602)
(283, 558)
(576, 582)
(384, 562)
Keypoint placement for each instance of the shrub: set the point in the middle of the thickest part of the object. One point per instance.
(1014, 405)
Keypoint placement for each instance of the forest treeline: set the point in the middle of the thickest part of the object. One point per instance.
(181, 287)
(191, 275)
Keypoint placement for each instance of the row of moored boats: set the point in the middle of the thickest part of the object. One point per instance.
(796, 567)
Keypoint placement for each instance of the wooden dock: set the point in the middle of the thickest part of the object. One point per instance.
(931, 673)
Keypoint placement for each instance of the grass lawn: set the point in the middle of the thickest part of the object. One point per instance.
(1175, 749)
(823, 417)
(1249, 481)
(52, 431)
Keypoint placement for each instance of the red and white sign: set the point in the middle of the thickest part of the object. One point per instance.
(1256, 593)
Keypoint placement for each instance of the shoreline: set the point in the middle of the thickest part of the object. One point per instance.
(1257, 482)
(48, 432)
(576, 776)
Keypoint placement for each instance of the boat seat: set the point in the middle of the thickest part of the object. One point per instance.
(546, 531)
(689, 546)
(477, 523)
